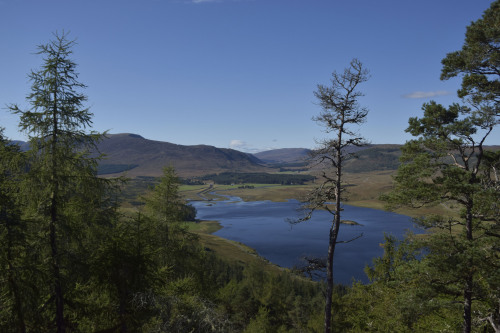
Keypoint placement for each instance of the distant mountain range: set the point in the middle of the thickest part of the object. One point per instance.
(132, 155)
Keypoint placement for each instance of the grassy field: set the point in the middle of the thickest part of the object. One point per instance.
(277, 193)
(364, 190)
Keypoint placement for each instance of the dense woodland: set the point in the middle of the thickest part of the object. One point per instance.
(228, 178)
(73, 261)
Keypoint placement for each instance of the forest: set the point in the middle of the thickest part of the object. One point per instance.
(228, 178)
(72, 260)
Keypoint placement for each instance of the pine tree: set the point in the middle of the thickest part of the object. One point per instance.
(478, 60)
(447, 163)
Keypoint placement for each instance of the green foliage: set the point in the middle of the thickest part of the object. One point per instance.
(400, 297)
(478, 60)
(396, 254)
(59, 195)
(260, 323)
(447, 164)
(165, 202)
(16, 289)
(139, 272)
(444, 166)
(271, 301)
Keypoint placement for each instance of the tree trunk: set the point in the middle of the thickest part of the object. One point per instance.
(334, 232)
(329, 275)
(58, 293)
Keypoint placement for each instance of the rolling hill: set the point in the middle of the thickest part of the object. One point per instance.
(368, 158)
(137, 156)
(284, 155)
(374, 158)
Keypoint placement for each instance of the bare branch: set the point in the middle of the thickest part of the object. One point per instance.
(350, 240)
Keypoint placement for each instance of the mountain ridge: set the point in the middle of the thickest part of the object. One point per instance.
(133, 155)
(149, 157)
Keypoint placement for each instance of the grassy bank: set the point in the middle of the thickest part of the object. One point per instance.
(364, 190)
(231, 251)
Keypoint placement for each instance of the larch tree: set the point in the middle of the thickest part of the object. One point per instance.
(448, 164)
(61, 169)
(165, 205)
(340, 112)
(165, 202)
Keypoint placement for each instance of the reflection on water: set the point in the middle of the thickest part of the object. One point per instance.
(263, 226)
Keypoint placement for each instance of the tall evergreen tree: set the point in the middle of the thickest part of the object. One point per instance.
(340, 110)
(166, 207)
(447, 163)
(444, 165)
(62, 171)
(165, 202)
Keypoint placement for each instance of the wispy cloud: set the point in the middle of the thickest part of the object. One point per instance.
(235, 144)
(244, 147)
(426, 94)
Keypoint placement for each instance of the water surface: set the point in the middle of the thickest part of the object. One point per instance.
(262, 225)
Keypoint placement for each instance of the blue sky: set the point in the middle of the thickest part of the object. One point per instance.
(238, 73)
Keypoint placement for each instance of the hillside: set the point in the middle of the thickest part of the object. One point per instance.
(374, 158)
(139, 156)
(133, 155)
(368, 158)
(284, 155)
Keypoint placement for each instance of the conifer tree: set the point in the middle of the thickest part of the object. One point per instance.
(477, 63)
(447, 163)
(165, 201)
(61, 170)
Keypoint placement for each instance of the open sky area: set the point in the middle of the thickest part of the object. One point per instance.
(238, 73)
